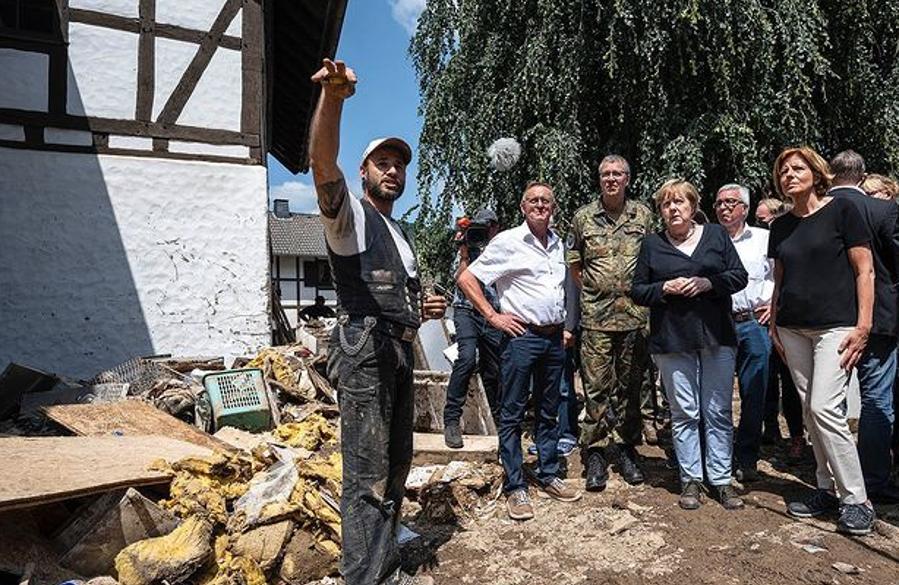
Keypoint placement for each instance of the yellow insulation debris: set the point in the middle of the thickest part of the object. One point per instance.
(277, 364)
(311, 433)
(203, 493)
(173, 557)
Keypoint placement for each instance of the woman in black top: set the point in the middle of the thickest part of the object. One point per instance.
(820, 319)
(686, 275)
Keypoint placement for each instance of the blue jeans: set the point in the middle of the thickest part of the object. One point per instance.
(478, 345)
(699, 385)
(568, 406)
(526, 357)
(372, 372)
(876, 374)
(753, 353)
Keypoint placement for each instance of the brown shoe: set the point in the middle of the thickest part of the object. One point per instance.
(518, 504)
(691, 495)
(727, 495)
(559, 490)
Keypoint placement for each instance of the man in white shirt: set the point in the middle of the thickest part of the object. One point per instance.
(370, 360)
(526, 264)
(751, 311)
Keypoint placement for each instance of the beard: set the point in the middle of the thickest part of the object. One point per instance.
(375, 190)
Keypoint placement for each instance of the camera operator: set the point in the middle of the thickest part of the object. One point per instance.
(477, 341)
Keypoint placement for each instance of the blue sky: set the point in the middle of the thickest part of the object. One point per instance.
(374, 42)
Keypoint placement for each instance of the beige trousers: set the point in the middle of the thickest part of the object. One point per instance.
(815, 367)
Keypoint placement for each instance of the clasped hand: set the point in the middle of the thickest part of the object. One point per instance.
(687, 287)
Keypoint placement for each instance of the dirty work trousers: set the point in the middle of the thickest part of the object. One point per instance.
(372, 372)
(478, 345)
(814, 363)
(613, 367)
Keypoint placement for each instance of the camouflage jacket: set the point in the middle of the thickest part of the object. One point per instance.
(607, 252)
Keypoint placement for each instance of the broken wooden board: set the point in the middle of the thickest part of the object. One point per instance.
(429, 448)
(129, 418)
(93, 538)
(51, 469)
(429, 389)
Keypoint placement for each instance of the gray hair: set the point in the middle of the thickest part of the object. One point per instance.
(616, 158)
(848, 167)
(744, 192)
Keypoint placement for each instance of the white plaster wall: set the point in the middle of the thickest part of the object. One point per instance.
(233, 150)
(70, 137)
(24, 80)
(130, 142)
(216, 101)
(120, 7)
(235, 29)
(12, 132)
(108, 257)
(196, 14)
(102, 72)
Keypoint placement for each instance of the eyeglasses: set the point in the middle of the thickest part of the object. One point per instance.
(613, 174)
(727, 203)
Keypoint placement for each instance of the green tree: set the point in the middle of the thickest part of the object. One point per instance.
(710, 90)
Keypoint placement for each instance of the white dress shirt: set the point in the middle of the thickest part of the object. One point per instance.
(752, 247)
(529, 279)
(345, 232)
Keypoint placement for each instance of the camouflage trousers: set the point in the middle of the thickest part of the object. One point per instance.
(613, 367)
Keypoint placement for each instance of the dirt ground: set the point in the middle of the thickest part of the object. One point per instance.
(628, 535)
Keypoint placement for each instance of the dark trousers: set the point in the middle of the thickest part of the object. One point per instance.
(876, 374)
(478, 345)
(525, 358)
(753, 353)
(782, 394)
(372, 372)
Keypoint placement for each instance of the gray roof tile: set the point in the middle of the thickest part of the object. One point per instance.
(300, 235)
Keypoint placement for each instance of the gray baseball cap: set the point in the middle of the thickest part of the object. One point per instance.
(485, 216)
(392, 141)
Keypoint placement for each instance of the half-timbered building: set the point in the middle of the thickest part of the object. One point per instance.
(134, 136)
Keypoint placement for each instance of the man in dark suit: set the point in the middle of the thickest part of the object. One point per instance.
(877, 368)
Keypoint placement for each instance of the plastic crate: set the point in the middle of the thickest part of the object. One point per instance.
(239, 399)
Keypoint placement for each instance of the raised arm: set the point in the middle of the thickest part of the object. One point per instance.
(338, 83)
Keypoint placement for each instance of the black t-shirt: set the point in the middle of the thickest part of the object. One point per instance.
(818, 286)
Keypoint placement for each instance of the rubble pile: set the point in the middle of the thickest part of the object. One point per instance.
(245, 506)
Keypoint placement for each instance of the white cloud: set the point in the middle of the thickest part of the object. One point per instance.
(406, 12)
(301, 196)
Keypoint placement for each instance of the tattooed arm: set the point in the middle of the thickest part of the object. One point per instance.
(338, 83)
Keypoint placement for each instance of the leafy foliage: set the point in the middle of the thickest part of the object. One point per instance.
(710, 90)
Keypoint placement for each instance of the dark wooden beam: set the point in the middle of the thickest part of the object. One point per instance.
(188, 82)
(123, 152)
(128, 127)
(58, 79)
(252, 68)
(146, 61)
(168, 31)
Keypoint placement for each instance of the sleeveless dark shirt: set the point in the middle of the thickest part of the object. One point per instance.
(374, 282)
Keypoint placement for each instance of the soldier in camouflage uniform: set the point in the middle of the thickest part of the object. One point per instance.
(603, 246)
